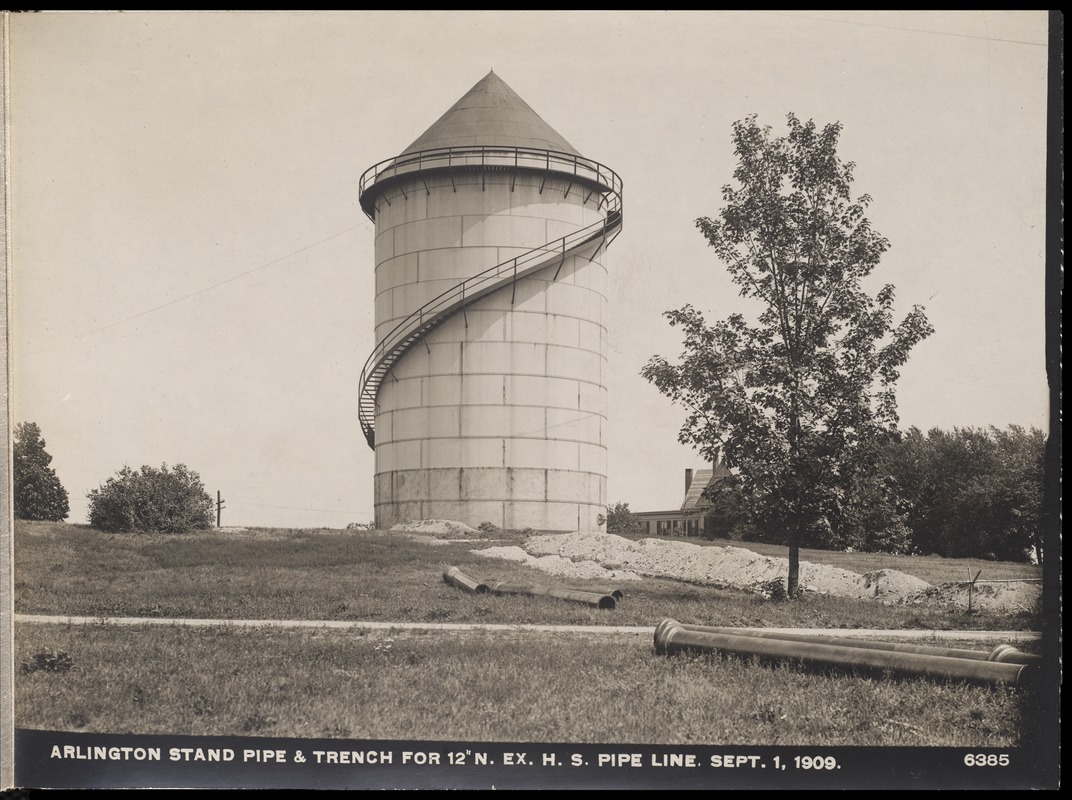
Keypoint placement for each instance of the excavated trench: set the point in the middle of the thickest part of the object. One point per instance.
(595, 555)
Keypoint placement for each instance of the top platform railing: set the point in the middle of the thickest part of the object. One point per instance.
(475, 157)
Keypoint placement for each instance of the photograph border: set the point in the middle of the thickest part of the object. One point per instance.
(928, 768)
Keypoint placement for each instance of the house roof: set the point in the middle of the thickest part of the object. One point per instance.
(700, 481)
(491, 113)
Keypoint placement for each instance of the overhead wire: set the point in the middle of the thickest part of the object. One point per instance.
(297, 508)
(794, 15)
(202, 290)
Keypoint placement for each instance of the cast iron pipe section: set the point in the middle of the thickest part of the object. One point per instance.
(458, 578)
(672, 637)
(594, 599)
(1002, 653)
(1010, 655)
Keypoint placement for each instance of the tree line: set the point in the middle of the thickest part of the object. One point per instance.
(148, 500)
(960, 493)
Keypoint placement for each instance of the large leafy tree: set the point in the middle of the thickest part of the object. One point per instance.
(38, 493)
(793, 396)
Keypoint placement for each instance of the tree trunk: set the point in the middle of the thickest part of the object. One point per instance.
(793, 580)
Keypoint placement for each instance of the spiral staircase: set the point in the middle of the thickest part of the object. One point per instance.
(411, 172)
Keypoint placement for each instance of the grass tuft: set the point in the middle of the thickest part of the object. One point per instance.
(46, 661)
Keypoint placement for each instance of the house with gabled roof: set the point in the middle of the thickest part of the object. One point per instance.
(690, 519)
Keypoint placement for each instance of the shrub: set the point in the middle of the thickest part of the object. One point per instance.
(621, 520)
(47, 661)
(38, 493)
(151, 500)
(774, 590)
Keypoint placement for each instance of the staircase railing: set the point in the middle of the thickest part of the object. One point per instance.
(417, 324)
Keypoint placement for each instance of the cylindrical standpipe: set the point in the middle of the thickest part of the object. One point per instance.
(458, 578)
(594, 599)
(672, 637)
(1002, 653)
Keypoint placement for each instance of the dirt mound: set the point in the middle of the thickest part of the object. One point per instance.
(734, 567)
(889, 583)
(592, 554)
(558, 565)
(438, 527)
(1009, 596)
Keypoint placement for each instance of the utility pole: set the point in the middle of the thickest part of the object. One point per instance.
(219, 507)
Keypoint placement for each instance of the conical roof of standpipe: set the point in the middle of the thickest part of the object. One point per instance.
(491, 114)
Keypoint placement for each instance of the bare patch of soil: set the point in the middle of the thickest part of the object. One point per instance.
(558, 565)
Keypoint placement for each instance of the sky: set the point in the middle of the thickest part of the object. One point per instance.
(192, 276)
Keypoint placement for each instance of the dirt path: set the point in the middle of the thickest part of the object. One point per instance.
(644, 632)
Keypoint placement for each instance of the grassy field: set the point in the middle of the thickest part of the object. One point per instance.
(359, 575)
(475, 686)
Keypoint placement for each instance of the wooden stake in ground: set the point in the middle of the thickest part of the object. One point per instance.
(971, 587)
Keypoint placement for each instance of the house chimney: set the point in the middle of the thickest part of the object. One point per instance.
(688, 480)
